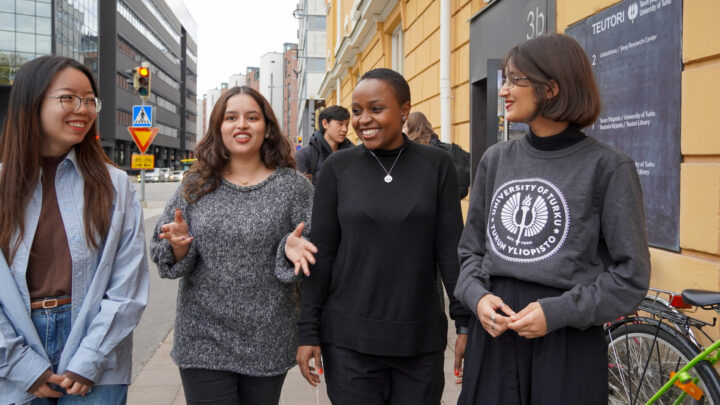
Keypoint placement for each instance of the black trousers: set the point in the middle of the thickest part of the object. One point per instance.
(227, 388)
(355, 378)
(567, 366)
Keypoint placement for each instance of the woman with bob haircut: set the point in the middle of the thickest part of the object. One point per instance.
(232, 233)
(73, 275)
(555, 241)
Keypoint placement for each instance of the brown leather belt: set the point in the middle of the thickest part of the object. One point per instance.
(48, 303)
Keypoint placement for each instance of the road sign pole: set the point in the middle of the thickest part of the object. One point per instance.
(142, 185)
(142, 171)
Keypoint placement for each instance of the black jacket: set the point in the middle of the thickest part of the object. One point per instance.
(309, 159)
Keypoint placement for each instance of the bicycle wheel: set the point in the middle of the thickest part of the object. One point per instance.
(640, 359)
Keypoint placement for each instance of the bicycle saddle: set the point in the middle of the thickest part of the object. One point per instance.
(701, 298)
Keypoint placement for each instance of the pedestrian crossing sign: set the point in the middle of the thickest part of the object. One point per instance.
(142, 116)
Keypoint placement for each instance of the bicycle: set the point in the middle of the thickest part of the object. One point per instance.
(654, 356)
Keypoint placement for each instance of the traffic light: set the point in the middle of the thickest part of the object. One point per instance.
(141, 81)
(299, 140)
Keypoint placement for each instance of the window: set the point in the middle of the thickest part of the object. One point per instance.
(398, 56)
(191, 55)
(316, 22)
(123, 118)
(315, 64)
(136, 22)
(122, 82)
(134, 54)
(167, 130)
(163, 20)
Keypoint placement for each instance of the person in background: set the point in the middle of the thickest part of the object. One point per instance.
(73, 270)
(232, 233)
(330, 138)
(418, 129)
(555, 242)
(386, 217)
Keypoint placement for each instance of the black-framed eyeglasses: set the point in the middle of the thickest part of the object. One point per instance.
(71, 102)
(512, 81)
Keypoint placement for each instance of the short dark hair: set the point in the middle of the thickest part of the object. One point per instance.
(334, 112)
(558, 58)
(394, 79)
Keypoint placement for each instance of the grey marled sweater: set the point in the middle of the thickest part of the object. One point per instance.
(238, 299)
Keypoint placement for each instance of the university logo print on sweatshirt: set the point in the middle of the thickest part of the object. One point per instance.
(529, 220)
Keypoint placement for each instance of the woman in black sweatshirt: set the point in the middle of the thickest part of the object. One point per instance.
(555, 242)
(385, 216)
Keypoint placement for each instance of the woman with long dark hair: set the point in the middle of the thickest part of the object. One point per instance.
(555, 241)
(232, 233)
(73, 274)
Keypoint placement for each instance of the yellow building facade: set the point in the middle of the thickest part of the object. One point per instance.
(405, 35)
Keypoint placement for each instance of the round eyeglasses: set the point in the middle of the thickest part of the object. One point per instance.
(71, 102)
(512, 81)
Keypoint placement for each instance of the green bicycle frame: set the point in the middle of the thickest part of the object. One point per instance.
(705, 355)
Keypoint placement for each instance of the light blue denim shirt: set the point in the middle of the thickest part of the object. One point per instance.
(109, 291)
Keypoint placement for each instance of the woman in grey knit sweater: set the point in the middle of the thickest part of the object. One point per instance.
(233, 234)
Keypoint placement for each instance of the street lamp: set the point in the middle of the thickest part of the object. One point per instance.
(299, 13)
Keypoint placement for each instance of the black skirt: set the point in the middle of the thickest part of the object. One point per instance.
(567, 366)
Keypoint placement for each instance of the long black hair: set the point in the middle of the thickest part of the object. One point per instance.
(20, 154)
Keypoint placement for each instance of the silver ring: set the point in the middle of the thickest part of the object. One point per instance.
(492, 317)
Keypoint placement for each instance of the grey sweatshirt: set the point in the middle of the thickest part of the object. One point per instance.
(571, 219)
(238, 299)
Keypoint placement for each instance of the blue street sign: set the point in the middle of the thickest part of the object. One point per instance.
(142, 116)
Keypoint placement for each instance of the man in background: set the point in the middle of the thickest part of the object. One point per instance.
(330, 138)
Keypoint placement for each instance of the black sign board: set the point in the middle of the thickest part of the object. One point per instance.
(635, 50)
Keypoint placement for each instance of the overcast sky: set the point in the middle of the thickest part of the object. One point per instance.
(233, 34)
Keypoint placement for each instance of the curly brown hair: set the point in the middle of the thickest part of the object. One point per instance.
(419, 128)
(213, 157)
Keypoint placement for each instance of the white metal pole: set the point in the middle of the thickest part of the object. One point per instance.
(445, 106)
(338, 83)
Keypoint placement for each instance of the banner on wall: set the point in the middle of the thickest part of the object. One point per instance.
(635, 48)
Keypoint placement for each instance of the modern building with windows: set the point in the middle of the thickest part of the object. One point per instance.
(312, 62)
(26, 32)
(160, 32)
(271, 82)
(252, 77)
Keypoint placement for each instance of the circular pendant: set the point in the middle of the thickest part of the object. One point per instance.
(388, 178)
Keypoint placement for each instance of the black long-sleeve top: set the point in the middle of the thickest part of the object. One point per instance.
(372, 288)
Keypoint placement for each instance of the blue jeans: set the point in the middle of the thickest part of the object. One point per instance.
(53, 326)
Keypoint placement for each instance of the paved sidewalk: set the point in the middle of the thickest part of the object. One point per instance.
(158, 383)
